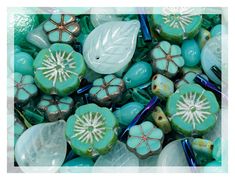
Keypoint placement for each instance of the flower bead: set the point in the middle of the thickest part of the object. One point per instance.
(55, 108)
(107, 90)
(62, 28)
(166, 59)
(24, 88)
(59, 69)
(192, 110)
(92, 130)
(145, 140)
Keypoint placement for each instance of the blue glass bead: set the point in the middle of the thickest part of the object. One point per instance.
(138, 74)
(23, 63)
(128, 112)
(190, 52)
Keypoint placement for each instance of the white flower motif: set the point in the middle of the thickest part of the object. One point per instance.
(58, 67)
(193, 108)
(89, 127)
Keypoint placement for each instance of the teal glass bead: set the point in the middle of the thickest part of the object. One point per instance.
(107, 90)
(59, 69)
(213, 163)
(190, 52)
(24, 88)
(80, 161)
(192, 110)
(176, 25)
(19, 128)
(92, 130)
(140, 95)
(166, 59)
(203, 36)
(211, 56)
(162, 86)
(38, 37)
(23, 24)
(217, 150)
(128, 112)
(61, 28)
(145, 140)
(23, 63)
(55, 108)
(217, 30)
(33, 116)
(17, 49)
(138, 74)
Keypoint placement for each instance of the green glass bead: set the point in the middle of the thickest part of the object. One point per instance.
(203, 146)
(107, 90)
(23, 63)
(138, 74)
(92, 130)
(213, 163)
(195, 69)
(128, 112)
(166, 59)
(202, 37)
(217, 150)
(23, 24)
(192, 110)
(55, 108)
(59, 69)
(162, 86)
(217, 30)
(160, 120)
(190, 52)
(38, 38)
(80, 161)
(145, 140)
(61, 28)
(19, 128)
(176, 27)
(33, 116)
(140, 95)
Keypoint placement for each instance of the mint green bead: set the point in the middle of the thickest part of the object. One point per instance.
(138, 74)
(23, 63)
(128, 112)
(80, 161)
(190, 52)
(217, 151)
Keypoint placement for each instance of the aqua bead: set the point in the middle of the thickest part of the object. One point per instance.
(216, 30)
(17, 49)
(202, 37)
(128, 112)
(213, 163)
(190, 52)
(138, 74)
(79, 161)
(23, 63)
(216, 152)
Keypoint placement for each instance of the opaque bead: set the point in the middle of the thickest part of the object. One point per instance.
(23, 63)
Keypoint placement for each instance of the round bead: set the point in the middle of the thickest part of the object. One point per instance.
(23, 63)
(216, 30)
(190, 52)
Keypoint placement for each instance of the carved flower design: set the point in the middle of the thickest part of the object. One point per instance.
(192, 110)
(62, 28)
(107, 90)
(55, 108)
(167, 59)
(24, 87)
(59, 69)
(145, 139)
(92, 130)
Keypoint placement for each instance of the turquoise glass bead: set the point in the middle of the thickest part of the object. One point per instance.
(211, 56)
(23, 63)
(138, 74)
(17, 49)
(213, 163)
(217, 150)
(140, 95)
(79, 161)
(202, 37)
(190, 52)
(216, 30)
(128, 112)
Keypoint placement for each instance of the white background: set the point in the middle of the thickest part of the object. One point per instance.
(115, 3)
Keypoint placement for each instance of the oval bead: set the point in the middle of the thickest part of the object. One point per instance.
(23, 63)
(190, 52)
(202, 37)
(128, 112)
(138, 74)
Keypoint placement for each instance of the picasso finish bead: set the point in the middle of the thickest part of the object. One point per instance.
(138, 74)
(190, 52)
(92, 130)
(202, 37)
(162, 86)
(192, 110)
(61, 28)
(217, 149)
(59, 69)
(166, 59)
(107, 90)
